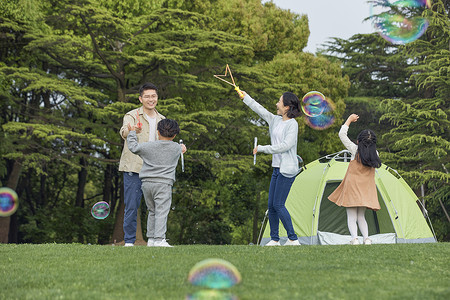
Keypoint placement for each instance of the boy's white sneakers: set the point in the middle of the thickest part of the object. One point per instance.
(150, 243)
(273, 243)
(292, 243)
(128, 245)
(162, 243)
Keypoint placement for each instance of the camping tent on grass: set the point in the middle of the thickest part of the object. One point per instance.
(317, 220)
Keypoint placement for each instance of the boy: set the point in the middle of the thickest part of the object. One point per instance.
(160, 159)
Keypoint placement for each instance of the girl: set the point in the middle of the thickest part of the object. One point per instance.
(357, 190)
(283, 129)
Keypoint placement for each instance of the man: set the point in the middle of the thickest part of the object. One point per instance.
(145, 118)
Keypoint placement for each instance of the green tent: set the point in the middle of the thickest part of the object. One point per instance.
(317, 220)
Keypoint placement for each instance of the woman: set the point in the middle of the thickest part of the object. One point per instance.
(283, 129)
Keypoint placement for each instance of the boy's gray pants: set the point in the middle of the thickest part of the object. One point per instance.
(158, 197)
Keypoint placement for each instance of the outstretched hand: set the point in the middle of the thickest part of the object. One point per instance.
(134, 128)
(240, 93)
(352, 118)
(255, 150)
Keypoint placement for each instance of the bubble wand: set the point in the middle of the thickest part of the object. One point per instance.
(236, 88)
(254, 155)
(182, 157)
(139, 124)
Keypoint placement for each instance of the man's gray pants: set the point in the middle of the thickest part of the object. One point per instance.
(158, 197)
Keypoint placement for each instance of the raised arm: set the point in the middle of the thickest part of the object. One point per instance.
(258, 108)
(127, 119)
(132, 140)
(352, 147)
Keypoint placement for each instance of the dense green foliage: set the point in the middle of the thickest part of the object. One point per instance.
(406, 271)
(70, 69)
(420, 140)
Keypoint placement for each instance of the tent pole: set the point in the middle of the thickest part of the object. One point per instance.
(262, 226)
(428, 218)
(392, 203)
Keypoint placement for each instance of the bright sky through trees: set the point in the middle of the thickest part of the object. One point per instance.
(330, 18)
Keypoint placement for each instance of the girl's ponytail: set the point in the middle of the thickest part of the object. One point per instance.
(367, 149)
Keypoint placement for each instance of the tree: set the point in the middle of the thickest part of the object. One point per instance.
(80, 68)
(420, 139)
(375, 67)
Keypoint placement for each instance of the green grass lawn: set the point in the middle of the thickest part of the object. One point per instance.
(74, 271)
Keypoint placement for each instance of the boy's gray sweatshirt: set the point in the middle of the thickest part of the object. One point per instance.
(160, 158)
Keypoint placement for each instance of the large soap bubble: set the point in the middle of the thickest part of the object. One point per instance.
(399, 22)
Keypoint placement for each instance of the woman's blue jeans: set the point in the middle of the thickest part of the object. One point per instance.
(278, 192)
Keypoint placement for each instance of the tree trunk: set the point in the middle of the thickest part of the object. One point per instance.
(12, 184)
(139, 236)
(82, 179)
(105, 233)
(42, 189)
(255, 219)
(79, 200)
(118, 233)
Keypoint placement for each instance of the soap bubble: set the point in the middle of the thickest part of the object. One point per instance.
(214, 273)
(100, 210)
(9, 201)
(324, 120)
(313, 104)
(211, 295)
(399, 22)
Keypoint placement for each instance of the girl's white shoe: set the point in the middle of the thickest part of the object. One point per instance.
(367, 241)
(355, 241)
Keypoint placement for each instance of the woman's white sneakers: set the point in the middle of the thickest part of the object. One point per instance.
(292, 243)
(288, 243)
(273, 243)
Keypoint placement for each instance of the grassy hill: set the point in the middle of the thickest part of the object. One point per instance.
(75, 271)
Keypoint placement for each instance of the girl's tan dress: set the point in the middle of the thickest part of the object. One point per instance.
(358, 187)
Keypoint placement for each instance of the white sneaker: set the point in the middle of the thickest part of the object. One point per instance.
(355, 241)
(129, 245)
(150, 243)
(292, 243)
(367, 241)
(162, 243)
(273, 243)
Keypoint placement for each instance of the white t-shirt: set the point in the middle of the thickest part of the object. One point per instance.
(152, 131)
(277, 138)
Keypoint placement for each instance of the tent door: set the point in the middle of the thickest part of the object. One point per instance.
(333, 218)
